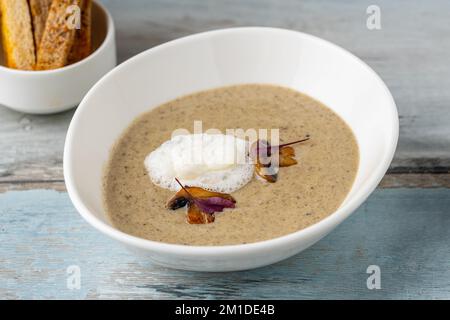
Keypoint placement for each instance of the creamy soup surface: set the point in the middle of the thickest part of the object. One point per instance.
(304, 193)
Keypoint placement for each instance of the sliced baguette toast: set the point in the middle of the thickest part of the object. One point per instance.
(17, 34)
(82, 45)
(58, 37)
(39, 13)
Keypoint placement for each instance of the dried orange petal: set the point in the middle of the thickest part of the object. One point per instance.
(287, 155)
(201, 203)
(267, 173)
(196, 216)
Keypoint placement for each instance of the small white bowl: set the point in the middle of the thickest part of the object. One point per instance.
(214, 59)
(51, 91)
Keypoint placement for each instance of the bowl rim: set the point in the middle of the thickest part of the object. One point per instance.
(110, 30)
(321, 227)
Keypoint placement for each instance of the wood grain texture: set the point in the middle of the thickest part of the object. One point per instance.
(410, 53)
(31, 147)
(389, 181)
(403, 231)
(412, 180)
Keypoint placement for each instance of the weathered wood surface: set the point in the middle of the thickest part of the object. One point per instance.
(389, 181)
(410, 53)
(403, 231)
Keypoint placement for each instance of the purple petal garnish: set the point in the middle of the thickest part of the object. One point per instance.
(213, 204)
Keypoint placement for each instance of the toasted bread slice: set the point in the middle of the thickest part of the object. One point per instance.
(39, 13)
(82, 46)
(58, 37)
(17, 34)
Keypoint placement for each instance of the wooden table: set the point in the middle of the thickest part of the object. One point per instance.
(404, 227)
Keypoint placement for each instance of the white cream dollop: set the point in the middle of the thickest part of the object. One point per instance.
(215, 162)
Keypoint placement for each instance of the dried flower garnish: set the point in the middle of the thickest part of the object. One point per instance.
(202, 204)
(266, 165)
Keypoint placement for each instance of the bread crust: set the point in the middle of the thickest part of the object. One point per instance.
(39, 13)
(17, 34)
(82, 46)
(58, 37)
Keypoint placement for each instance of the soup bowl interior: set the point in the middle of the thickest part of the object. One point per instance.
(220, 58)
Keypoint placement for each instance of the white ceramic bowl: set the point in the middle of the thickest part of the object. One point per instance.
(219, 58)
(50, 91)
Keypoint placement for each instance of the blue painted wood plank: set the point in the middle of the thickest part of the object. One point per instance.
(403, 231)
